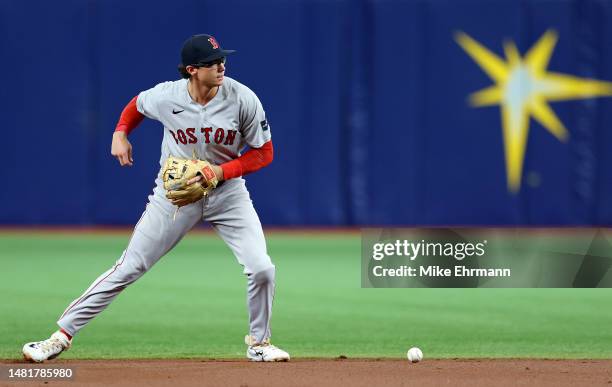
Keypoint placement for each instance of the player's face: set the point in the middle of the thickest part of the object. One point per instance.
(210, 74)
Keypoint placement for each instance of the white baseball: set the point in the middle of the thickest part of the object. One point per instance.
(415, 355)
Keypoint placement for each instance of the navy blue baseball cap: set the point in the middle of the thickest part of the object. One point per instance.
(202, 48)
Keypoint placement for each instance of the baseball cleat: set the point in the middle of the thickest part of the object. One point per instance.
(264, 351)
(40, 351)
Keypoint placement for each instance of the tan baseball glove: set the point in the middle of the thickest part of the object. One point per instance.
(177, 172)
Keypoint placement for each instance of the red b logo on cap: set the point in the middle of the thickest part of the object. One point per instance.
(213, 42)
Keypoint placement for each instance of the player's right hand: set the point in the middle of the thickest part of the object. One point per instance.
(122, 149)
(216, 169)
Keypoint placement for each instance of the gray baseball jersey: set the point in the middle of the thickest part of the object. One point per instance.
(217, 132)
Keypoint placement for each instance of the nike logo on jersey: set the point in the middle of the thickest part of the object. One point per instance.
(177, 111)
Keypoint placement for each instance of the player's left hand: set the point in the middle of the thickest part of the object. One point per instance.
(187, 195)
(180, 177)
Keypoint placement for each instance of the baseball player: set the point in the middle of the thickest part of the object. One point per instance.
(213, 117)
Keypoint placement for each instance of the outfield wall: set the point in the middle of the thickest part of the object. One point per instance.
(367, 100)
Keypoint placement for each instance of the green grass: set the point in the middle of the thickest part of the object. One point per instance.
(192, 304)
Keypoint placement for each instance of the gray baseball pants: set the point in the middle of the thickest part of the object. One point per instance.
(229, 210)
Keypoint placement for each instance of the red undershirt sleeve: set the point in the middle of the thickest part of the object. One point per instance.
(130, 117)
(252, 160)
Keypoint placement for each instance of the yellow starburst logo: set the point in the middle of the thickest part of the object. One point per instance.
(523, 88)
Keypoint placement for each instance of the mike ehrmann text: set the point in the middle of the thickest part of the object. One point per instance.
(437, 271)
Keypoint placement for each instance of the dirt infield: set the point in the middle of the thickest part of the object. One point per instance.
(324, 373)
